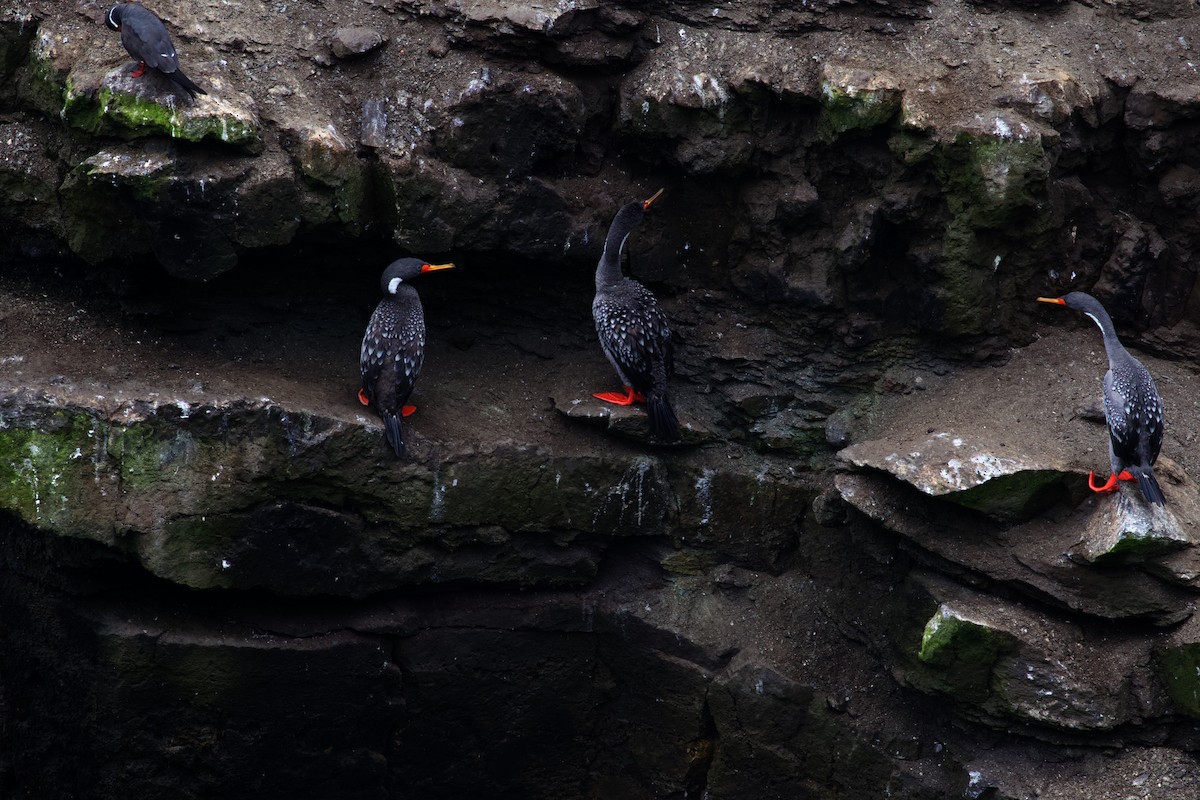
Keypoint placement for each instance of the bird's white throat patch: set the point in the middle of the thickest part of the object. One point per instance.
(394, 284)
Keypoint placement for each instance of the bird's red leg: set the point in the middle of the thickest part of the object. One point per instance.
(1126, 476)
(629, 398)
(1109, 485)
(362, 397)
(407, 411)
(140, 71)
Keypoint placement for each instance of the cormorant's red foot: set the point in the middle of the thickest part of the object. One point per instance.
(407, 411)
(629, 398)
(1111, 484)
(362, 397)
(140, 71)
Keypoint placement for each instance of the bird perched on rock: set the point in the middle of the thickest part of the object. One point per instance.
(1132, 406)
(393, 348)
(633, 329)
(146, 39)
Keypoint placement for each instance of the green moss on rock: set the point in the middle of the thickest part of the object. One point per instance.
(40, 468)
(329, 160)
(1136, 546)
(1180, 670)
(991, 178)
(111, 112)
(994, 180)
(1130, 533)
(148, 456)
(41, 81)
(911, 147)
(1015, 496)
(960, 654)
(848, 107)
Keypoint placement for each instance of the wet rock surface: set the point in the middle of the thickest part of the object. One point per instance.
(872, 568)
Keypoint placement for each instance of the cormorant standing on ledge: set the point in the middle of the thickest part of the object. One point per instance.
(633, 329)
(393, 348)
(146, 39)
(1132, 406)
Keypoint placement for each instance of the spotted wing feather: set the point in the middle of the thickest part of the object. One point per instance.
(1134, 412)
(393, 351)
(633, 333)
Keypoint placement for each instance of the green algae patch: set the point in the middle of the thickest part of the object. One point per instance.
(993, 177)
(1130, 533)
(1015, 496)
(42, 468)
(40, 81)
(856, 100)
(325, 158)
(147, 457)
(912, 148)
(113, 112)
(960, 654)
(1131, 546)
(1180, 670)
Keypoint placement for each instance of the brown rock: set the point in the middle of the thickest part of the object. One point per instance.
(355, 41)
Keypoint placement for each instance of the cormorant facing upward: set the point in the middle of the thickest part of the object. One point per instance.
(633, 329)
(146, 39)
(1132, 406)
(393, 348)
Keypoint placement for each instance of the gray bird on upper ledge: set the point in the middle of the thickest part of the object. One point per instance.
(1132, 407)
(633, 329)
(393, 348)
(145, 38)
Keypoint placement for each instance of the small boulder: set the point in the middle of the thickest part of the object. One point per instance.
(355, 41)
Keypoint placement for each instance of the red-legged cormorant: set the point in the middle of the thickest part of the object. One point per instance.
(633, 329)
(393, 348)
(146, 39)
(1132, 406)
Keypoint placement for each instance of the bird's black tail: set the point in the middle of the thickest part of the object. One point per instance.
(1149, 486)
(183, 80)
(664, 425)
(391, 428)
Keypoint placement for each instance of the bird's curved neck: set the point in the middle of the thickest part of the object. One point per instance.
(608, 271)
(1112, 345)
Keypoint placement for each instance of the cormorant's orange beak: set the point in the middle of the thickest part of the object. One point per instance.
(647, 203)
(435, 267)
(1058, 301)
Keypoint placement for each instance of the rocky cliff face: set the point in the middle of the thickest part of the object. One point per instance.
(871, 570)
